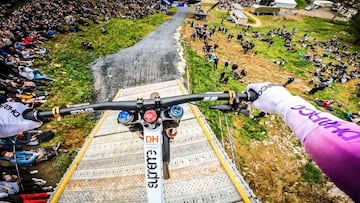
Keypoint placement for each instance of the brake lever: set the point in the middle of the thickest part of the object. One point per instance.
(225, 108)
(246, 112)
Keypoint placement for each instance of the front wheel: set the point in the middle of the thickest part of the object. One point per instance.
(166, 156)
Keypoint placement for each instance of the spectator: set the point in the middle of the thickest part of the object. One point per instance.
(234, 67)
(226, 79)
(216, 60)
(327, 104)
(226, 64)
(317, 87)
(222, 76)
(281, 62)
(32, 74)
(103, 30)
(22, 157)
(87, 44)
(353, 117)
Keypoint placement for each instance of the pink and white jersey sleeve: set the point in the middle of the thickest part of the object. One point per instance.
(332, 143)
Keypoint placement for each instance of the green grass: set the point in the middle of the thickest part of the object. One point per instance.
(251, 20)
(70, 61)
(172, 10)
(221, 14)
(321, 29)
(312, 174)
(253, 129)
(301, 4)
(205, 78)
(74, 82)
(70, 67)
(317, 28)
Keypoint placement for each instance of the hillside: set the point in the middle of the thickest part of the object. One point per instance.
(268, 155)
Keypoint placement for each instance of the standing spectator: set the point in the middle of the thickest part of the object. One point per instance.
(234, 67)
(271, 42)
(226, 79)
(226, 64)
(230, 36)
(222, 75)
(216, 60)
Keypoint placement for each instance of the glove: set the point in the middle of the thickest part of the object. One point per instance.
(276, 99)
(12, 121)
(270, 98)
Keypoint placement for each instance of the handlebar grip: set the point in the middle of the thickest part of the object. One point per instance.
(31, 114)
(252, 95)
(289, 81)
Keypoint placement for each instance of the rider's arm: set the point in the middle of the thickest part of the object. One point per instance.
(334, 144)
(12, 121)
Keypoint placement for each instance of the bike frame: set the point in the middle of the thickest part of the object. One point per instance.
(153, 141)
(153, 133)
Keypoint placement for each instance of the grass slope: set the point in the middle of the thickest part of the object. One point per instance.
(70, 67)
(268, 155)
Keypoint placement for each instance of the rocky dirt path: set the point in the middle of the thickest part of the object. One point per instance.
(257, 20)
(153, 59)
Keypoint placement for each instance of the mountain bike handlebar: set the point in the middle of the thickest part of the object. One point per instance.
(140, 104)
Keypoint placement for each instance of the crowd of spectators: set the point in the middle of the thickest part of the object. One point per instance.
(224, 4)
(332, 60)
(204, 33)
(6, 7)
(24, 28)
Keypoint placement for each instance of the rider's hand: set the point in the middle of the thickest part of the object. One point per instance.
(270, 97)
(12, 121)
(275, 98)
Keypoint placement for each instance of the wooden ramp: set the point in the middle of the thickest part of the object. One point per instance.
(110, 166)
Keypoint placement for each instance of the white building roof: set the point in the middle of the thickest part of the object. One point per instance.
(286, 1)
(237, 6)
(240, 14)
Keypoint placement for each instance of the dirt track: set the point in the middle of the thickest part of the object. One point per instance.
(151, 60)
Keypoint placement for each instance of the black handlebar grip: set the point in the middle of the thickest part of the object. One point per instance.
(31, 114)
(289, 81)
(252, 95)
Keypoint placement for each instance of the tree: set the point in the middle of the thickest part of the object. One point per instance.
(354, 27)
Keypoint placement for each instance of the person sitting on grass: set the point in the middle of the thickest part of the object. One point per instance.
(32, 74)
(103, 30)
(353, 117)
(34, 137)
(10, 190)
(327, 104)
(20, 157)
(8, 186)
(87, 44)
(281, 62)
(26, 158)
